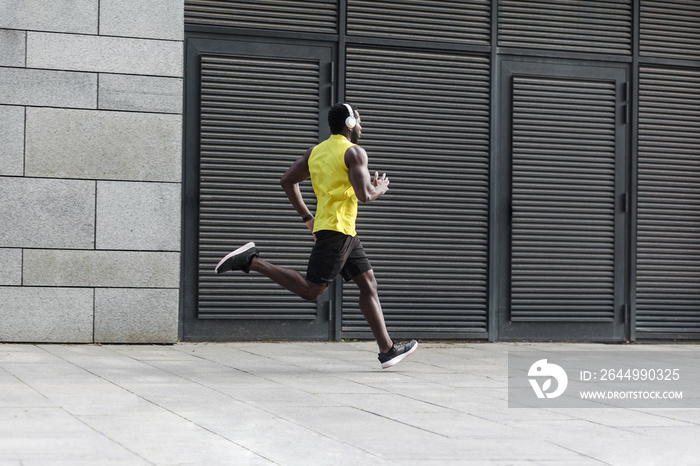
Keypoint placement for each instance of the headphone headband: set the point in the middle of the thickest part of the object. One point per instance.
(350, 112)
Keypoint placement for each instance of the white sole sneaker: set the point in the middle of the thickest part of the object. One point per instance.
(231, 254)
(399, 357)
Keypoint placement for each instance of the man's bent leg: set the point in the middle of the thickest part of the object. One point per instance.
(289, 279)
(372, 309)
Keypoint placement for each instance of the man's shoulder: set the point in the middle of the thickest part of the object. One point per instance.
(355, 150)
(355, 154)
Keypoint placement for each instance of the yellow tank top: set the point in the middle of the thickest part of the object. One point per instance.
(336, 208)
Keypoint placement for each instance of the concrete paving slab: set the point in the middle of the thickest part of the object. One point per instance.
(310, 404)
(625, 418)
(65, 385)
(16, 393)
(633, 448)
(281, 440)
(48, 434)
(160, 438)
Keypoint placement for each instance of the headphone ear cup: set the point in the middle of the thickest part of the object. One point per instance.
(350, 121)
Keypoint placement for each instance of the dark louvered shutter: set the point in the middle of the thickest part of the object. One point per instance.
(563, 200)
(668, 228)
(460, 22)
(258, 115)
(574, 25)
(318, 16)
(670, 29)
(426, 124)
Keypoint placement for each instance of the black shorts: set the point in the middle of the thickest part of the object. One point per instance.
(334, 253)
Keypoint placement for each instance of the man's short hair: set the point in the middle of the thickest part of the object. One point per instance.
(336, 117)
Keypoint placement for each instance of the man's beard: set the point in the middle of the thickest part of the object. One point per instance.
(355, 136)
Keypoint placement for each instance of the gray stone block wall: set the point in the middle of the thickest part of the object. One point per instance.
(97, 144)
(11, 140)
(90, 170)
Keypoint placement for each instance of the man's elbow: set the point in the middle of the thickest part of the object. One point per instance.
(285, 182)
(363, 197)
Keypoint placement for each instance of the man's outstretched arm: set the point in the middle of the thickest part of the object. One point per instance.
(366, 190)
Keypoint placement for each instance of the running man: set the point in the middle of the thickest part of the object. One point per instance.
(339, 173)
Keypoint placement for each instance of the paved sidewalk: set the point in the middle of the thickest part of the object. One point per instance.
(309, 404)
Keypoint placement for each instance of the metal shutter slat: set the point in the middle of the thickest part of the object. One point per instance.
(459, 22)
(240, 195)
(575, 25)
(318, 16)
(670, 29)
(668, 211)
(426, 124)
(562, 260)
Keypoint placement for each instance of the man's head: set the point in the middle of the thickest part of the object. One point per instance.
(337, 116)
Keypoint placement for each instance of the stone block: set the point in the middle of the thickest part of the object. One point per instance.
(38, 213)
(119, 269)
(48, 88)
(130, 315)
(11, 140)
(138, 216)
(140, 93)
(153, 19)
(47, 315)
(103, 145)
(10, 267)
(73, 16)
(104, 54)
(12, 47)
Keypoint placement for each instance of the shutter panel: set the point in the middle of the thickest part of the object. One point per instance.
(668, 211)
(563, 195)
(426, 124)
(258, 115)
(599, 26)
(287, 15)
(461, 22)
(670, 29)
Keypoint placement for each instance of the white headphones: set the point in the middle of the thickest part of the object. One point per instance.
(350, 121)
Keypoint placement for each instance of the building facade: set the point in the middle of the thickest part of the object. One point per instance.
(90, 170)
(544, 160)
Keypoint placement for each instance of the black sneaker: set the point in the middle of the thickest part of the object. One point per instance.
(239, 259)
(397, 353)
